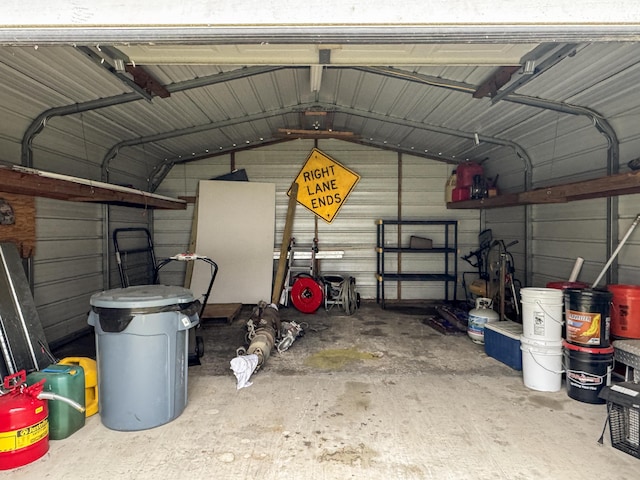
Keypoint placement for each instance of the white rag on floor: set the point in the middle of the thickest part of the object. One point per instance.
(243, 366)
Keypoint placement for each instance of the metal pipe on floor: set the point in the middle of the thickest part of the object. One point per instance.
(263, 325)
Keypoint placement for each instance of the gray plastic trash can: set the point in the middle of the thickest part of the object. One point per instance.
(142, 353)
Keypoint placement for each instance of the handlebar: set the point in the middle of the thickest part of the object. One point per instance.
(185, 257)
(476, 253)
(510, 244)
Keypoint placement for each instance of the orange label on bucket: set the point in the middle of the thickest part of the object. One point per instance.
(583, 327)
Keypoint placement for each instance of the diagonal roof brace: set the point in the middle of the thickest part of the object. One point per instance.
(417, 78)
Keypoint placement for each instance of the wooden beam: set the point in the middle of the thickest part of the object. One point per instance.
(23, 231)
(620, 184)
(278, 284)
(147, 82)
(193, 238)
(298, 133)
(506, 200)
(499, 79)
(38, 183)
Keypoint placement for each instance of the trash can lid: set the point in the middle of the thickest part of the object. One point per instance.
(141, 296)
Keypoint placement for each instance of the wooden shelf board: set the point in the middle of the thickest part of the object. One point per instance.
(38, 183)
(627, 183)
(506, 200)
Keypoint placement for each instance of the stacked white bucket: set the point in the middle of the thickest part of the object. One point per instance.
(541, 340)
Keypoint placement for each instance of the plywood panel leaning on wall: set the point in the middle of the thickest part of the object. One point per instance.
(236, 223)
(22, 231)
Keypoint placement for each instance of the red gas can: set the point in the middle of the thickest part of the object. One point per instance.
(24, 422)
(465, 172)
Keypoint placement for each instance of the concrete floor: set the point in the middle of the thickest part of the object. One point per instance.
(377, 395)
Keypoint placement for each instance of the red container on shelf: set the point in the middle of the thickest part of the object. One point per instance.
(465, 173)
(460, 193)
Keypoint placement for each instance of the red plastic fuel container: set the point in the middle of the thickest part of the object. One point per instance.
(24, 422)
(465, 172)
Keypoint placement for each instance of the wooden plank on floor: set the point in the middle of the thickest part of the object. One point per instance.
(221, 311)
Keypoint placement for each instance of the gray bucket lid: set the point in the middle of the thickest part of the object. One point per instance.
(141, 296)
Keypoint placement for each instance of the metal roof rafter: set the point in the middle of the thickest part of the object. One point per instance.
(41, 120)
(601, 123)
(113, 151)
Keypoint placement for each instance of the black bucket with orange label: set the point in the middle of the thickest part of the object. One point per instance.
(587, 317)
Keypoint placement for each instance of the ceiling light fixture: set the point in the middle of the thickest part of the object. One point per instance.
(315, 77)
(118, 64)
(529, 67)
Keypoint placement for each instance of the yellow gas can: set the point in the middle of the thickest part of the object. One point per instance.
(91, 381)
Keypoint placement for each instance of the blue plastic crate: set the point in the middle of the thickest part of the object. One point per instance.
(502, 342)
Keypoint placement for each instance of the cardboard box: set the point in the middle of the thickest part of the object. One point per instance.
(420, 242)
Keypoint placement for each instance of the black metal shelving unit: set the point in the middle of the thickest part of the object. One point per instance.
(448, 250)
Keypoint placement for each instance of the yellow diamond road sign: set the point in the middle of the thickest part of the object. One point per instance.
(324, 185)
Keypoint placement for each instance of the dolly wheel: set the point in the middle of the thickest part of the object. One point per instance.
(199, 346)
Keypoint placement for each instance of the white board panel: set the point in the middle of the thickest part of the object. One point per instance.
(236, 222)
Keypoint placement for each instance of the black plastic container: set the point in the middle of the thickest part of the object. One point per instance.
(587, 315)
(588, 371)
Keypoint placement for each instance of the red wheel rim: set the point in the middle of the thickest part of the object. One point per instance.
(306, 294)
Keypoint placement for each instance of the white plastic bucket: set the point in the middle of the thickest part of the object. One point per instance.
(542, 313)
(541, 364)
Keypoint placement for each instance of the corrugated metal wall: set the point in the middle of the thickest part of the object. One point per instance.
(74, 252)
(68, 264)
(563, 232)
(569, 148)
(353, 230)
(552, 236)
(628, 270)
